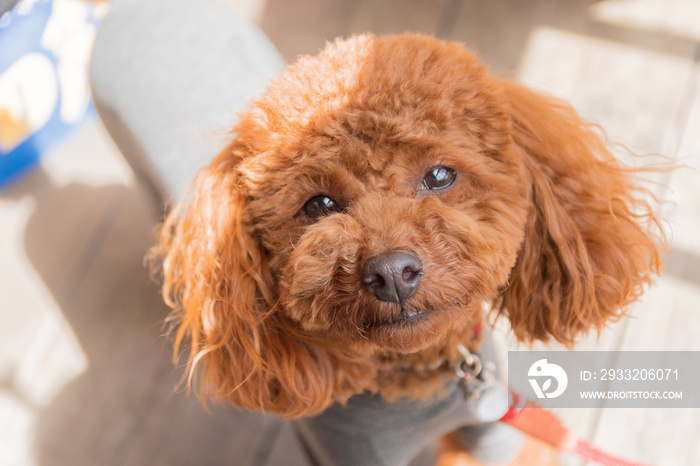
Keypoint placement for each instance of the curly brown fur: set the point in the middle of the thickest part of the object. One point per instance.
(541, 221)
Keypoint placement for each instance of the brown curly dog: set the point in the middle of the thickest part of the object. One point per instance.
(370, 202)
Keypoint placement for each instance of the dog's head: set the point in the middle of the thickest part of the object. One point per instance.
(372, 198)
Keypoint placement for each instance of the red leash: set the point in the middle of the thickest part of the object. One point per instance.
(546, 426)
(484, 391)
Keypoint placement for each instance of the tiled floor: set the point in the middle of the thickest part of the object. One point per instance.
(85, 374)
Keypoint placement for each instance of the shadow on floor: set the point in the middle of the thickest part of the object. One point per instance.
(87, 244)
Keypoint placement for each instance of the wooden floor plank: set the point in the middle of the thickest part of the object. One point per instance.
(668, 322)
(302, 27)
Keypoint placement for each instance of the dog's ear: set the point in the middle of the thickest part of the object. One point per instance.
(591, 241)
(215, 277)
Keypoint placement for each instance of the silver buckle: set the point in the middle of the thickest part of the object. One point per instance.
(471, 367)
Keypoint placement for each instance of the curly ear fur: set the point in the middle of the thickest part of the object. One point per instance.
(215, 277)
(591, 241)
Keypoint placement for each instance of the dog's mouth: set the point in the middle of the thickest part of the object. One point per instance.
(402, 318)
(407, 330)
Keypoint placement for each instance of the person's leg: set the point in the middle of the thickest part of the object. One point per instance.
(168, 78)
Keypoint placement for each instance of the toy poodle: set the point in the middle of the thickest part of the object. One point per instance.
(333, 262)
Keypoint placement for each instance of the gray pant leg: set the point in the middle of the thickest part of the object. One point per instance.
(169, 76)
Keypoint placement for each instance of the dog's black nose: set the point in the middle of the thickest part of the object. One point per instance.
(393, 276)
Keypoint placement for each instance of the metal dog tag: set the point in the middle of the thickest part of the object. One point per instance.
(489, 402)
(487, 397)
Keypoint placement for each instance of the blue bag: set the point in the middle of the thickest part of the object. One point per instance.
(44, 90)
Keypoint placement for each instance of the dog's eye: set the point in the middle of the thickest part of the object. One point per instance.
(439, 178)
(319, 206)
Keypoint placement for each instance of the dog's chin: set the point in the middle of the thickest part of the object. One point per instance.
(411, 331)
